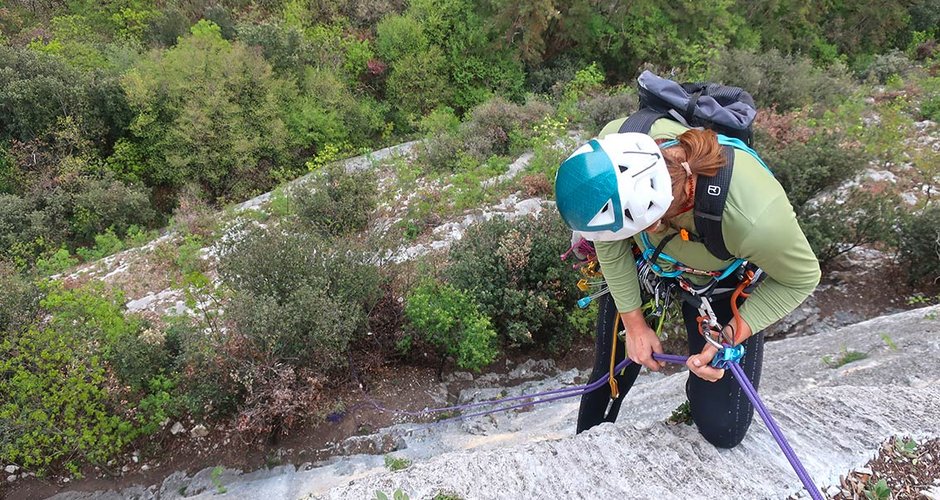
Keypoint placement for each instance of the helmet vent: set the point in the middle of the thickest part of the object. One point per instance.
(627, 214)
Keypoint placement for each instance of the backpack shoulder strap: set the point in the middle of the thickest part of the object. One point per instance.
(641, 121)
(711, 193)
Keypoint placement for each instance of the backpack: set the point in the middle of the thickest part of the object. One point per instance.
(729, 111)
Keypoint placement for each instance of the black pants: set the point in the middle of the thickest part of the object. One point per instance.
(720, 410)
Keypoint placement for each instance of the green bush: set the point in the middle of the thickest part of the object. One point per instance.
(919, 245)
(784, 81)
(806, 169)
(207, 111)
(834, 227)
(513, 271)
(274, 262)
(106, 244)
(19, 299)
(326, 112)
(336, 202)
(451, 321)
(495, 128)
(296, 306)
(417, 84)
(56, 388)
(885, 66)
(399, 36)
(600, 109)
(307, 328)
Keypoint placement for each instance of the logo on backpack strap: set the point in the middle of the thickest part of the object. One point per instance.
(714, 190)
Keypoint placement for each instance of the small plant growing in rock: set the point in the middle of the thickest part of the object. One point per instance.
(878, 491)
(396, 463)
(845, 357)
(681, 415)
(216, 480)
(398, 495)
(906, 447)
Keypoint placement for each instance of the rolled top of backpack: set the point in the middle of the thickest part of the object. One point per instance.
(729, 107)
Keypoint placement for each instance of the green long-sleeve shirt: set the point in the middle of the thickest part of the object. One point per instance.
(758, 224)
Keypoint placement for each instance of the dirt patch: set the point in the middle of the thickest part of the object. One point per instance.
(908, 470)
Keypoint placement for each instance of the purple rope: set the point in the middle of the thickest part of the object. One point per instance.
(771, 424)
(571, 392)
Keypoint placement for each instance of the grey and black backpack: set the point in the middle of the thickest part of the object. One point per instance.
(729, 111)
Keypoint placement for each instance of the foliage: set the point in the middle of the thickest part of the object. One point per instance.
(844, 357)
(38, 90)
(784, 81)
(56, 394)
(19, 299)
(681, 415)
(326, 112)
(336, 202)
(919, 245)
(394, 464)
(513, 271)
(296, 304)
(806, 169)
(207, 111)
(835, 227)
(878, 490)
(398, 495)
(885, 66)
(451, 321)
(106, 244)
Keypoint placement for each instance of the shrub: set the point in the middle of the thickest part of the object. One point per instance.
(296, 306)
(306, 328)
(274, 262)
(207, 111)
(919, 245)
(106, 244)
(398, 36)
(513, 271)
(885, 66)
(19, 299)
(336, 202)
(806, 169)
(326, 112)
(55, 392)
(784, 81)
(599, 109)
(451, 321)
(54, 262)
(417, 84)
(861, 218)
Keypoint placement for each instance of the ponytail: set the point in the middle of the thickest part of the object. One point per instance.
(698, 153)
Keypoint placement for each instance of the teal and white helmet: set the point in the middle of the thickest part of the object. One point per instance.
(612, 188)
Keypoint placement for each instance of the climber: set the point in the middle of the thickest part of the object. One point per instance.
(651, 192)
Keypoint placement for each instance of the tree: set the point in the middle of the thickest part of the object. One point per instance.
(208, 111)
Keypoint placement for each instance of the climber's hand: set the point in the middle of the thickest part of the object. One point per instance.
(701, 367)
(641, 340)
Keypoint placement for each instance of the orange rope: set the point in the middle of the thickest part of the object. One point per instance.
(614, 389)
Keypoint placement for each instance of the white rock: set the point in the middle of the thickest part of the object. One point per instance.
(11, 478)
(199, 431)
(11, 469)
(145, 467)
(177, 428)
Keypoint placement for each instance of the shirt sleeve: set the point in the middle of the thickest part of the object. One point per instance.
(776, 243)
(618, 266)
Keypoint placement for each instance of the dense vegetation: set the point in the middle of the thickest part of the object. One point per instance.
(118, 118)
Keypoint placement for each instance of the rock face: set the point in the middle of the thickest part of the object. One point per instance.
(835, 419)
